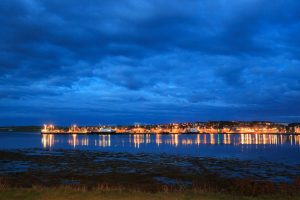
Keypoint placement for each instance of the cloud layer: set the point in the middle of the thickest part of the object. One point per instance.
(94, 62)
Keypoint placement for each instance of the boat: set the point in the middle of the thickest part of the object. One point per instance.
(104, 130)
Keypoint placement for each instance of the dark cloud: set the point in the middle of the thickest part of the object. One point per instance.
(91, 61)
(233, 76)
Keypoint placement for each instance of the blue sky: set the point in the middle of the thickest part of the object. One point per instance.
(120, 62)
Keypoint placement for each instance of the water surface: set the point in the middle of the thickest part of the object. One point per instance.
(263, 147)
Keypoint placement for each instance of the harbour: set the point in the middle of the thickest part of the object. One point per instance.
(222, 127)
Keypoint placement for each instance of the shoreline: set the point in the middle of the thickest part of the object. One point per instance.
(186, 133)
(29, 168)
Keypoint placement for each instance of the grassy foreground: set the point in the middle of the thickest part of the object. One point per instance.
(67, 193)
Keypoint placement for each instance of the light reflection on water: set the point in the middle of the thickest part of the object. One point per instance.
(267, 147)
(175, 140)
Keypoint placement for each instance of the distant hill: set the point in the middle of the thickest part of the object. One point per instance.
(20, 128)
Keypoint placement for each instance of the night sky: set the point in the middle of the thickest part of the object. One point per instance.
(121, 62)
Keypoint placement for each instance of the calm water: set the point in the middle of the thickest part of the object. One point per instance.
(275, 148)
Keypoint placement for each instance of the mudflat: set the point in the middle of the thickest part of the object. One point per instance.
(26, 169)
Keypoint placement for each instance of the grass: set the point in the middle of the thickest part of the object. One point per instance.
(68, 193)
